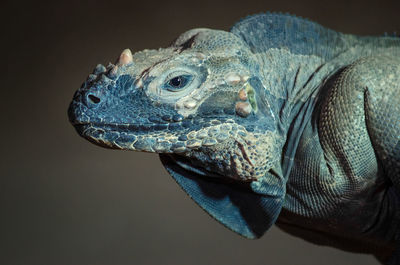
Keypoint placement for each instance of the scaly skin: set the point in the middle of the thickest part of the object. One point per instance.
(278, 121)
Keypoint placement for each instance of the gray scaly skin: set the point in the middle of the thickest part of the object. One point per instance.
(279, 121)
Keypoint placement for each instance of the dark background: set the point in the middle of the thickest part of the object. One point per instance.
(66, 201)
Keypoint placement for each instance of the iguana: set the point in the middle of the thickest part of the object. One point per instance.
(279, 121)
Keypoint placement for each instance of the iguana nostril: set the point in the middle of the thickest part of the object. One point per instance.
(93, 99)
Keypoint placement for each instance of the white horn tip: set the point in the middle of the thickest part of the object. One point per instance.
(125, 57)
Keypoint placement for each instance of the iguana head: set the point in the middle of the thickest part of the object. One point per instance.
(200, 101)
(200, 93)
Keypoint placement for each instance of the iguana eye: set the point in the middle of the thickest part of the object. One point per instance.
(177, 83)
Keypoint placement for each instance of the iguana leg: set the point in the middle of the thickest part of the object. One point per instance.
(360, 121)
(382, 105)
(372, 86)
(359, 128)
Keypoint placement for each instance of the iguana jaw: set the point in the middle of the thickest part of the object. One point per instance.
(160, 137)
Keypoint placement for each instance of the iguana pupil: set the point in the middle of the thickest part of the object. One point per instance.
(176, 82)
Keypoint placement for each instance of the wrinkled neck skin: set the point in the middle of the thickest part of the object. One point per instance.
(292, 83)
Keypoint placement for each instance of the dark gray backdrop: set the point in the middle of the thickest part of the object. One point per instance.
(66, 201)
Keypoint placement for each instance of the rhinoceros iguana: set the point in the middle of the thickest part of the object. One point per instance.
(278, 121)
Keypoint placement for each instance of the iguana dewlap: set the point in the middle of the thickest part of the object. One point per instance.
(279, 121)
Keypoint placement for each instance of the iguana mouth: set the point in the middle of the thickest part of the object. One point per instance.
(126, 136)
(140, 128)
(174, 137)
(115, 136)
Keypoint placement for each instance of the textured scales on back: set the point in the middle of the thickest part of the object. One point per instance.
(299, 36)
(280, 121)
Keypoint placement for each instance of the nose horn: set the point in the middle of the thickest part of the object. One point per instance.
(125, 57)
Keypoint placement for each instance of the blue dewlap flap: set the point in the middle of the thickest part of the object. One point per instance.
(238, 207)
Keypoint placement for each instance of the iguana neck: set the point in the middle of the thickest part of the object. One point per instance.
(290, 79)
(293, 83)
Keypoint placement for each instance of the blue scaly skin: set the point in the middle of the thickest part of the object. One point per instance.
(277, 121)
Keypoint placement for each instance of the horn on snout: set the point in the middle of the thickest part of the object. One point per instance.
(125, 57)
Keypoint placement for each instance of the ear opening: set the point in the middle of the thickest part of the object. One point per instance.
(237, 207)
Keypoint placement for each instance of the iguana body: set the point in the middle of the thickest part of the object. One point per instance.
(278, 121)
